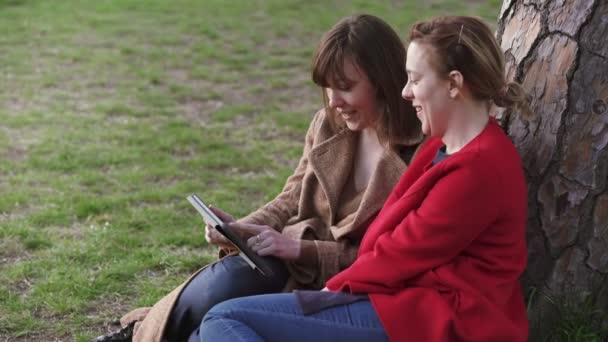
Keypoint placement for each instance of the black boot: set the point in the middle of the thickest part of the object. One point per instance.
(122, 335)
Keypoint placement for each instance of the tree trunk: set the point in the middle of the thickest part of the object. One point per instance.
(558, 50)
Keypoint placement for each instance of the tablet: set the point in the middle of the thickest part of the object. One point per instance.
(254, 260)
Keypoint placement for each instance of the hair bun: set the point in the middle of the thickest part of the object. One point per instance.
(513, 95)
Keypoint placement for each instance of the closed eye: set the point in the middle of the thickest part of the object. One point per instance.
(344, 86)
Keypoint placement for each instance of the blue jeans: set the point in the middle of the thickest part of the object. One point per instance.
(230, 277)
(277, 317)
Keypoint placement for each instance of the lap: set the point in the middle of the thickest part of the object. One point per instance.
(232, 277)
(278, 317)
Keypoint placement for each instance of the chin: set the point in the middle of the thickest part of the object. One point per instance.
(424, 128)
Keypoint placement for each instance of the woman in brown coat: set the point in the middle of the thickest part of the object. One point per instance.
(356, 149)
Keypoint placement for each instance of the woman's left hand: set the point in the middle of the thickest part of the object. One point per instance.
(267, 241)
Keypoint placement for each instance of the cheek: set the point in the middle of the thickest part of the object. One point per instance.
(441, 103)
(431, 99)
(365, 101)
(423, 93)
(440, 112)
(350, 99)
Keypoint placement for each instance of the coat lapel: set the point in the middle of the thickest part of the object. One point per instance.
(388, 171)
(331, 162)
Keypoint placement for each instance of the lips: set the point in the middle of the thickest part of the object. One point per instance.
(347, 115)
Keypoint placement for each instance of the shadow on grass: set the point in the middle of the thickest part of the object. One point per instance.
(12, 3)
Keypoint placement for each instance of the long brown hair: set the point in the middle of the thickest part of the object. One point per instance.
(468, 45)
(374, 47)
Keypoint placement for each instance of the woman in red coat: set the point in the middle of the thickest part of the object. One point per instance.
(443, 258)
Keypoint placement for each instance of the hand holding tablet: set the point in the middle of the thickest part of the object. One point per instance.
(213, 236)
(253, 259)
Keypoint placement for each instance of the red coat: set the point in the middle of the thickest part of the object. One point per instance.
(443, 258)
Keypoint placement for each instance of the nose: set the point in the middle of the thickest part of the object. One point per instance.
(407, 93)
(335, 100)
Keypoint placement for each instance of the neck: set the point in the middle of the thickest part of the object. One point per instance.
(469, 120)
(369, 136)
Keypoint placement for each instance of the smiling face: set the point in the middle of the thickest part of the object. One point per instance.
(429, 92)
(353, 98)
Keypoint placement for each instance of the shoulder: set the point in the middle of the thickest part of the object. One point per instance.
(318, 120)
(322, 126)
(320, 116)
(493, 147)
(490, 160)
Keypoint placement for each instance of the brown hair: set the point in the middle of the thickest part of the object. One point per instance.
(375, 48)
(468, 45)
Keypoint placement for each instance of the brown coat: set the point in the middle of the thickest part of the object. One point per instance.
(306, 209)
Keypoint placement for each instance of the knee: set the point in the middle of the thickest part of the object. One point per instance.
(223, 310)
(215, 321)
(186, 304)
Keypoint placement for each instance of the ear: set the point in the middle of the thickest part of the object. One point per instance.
(456, 83)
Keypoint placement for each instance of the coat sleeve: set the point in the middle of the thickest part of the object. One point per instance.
(323, 259)
(285, 205)
(455, 211)
(334, 256)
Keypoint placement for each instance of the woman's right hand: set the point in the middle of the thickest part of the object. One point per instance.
(212, 235)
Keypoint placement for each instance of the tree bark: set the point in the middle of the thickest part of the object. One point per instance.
(558, 50)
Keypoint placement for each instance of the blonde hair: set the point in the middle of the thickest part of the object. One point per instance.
(468, 45)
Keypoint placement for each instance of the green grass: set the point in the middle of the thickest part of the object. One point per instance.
(576, 319)
(115, 110)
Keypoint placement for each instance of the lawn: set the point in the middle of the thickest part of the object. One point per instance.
(113, 111)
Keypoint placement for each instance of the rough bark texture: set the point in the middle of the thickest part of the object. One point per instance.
(558, 50)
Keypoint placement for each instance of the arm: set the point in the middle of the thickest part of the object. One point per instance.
(285, 205)
(327, 258)
(276, 212)
(318, 259)
(455, 211)
(334, 256)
